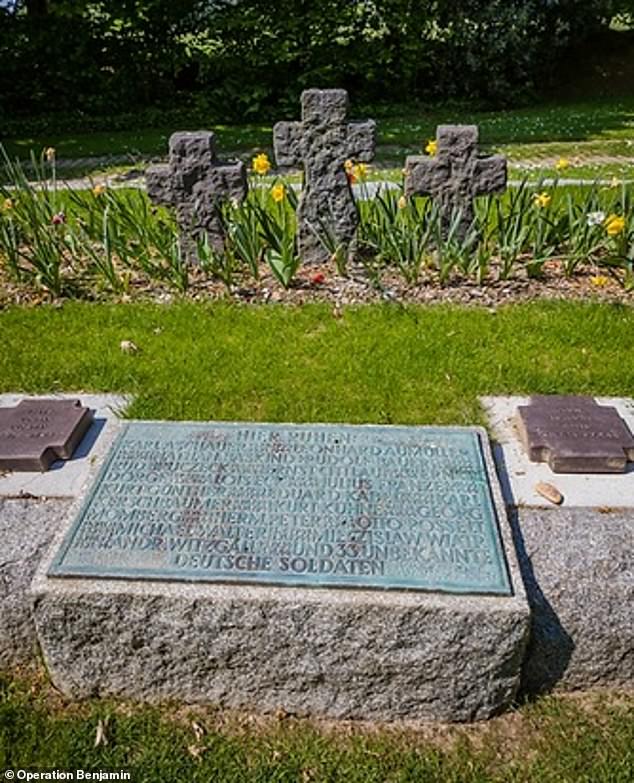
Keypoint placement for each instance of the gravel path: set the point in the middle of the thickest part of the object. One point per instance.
(135, 177)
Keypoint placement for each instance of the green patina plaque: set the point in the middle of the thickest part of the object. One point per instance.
(313, 505)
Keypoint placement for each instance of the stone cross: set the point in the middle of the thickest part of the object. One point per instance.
(455, 175)
(322, 142)
(196, 183)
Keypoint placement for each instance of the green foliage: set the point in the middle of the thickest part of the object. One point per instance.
(82, 243)
(242, 224)
(395, 234)
(249, 58)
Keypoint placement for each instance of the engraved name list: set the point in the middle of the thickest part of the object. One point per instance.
(390, 507)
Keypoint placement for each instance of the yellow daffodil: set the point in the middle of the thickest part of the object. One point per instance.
(432, 147)
(99, 190)
(360, 171)
(261, 164)
(402, 202)
(49, 154)
(562, 164)
(7, 204)
(599, 280)
(542, 200)
(615, 182)
(614, 225)
(278, 192)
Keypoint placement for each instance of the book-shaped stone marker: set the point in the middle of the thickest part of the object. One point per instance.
(36, 433)
(575, 434)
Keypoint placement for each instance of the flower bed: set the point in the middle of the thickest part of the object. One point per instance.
(103, 242)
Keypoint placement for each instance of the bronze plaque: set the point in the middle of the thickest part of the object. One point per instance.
(575, 434)
(407, 508)
(35, 433)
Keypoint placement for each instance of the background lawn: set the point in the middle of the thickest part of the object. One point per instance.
(597, 136)
(381, 364)
(603, 122)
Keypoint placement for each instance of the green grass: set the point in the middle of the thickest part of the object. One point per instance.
(549, 122)
(555, 740)
(144, 142)
(617, 148)
(603, 126)
(382, 364)
(587, 172)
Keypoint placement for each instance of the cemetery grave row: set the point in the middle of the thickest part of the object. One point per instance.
(453, 220)
(375, 572)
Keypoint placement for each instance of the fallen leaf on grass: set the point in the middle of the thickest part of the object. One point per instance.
(100, 734)
(196, 751)
(127, 346)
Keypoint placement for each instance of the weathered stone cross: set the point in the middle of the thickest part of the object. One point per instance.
(196, 183)
(322, 142)
(455, 175)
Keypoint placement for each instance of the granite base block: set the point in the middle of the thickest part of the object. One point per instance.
(578, 567)
(26, 530)
(342, 654)
(334, 652)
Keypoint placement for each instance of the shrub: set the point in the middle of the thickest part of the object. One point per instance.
(251, 58)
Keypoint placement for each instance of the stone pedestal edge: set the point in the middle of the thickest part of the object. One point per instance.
(365, 654)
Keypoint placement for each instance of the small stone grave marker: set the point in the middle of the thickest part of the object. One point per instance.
(455, 175)
(313, 505)
(322, 142)
(575, 434)
(35, 433)
(196, 183)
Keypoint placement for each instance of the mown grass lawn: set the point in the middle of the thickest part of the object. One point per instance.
(381, 364)
(600, 127)
(555, 740)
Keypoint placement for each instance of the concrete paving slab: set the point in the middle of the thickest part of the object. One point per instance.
(518, 475)
(66, 478)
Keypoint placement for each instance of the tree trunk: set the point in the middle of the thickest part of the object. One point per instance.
(36, 7)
